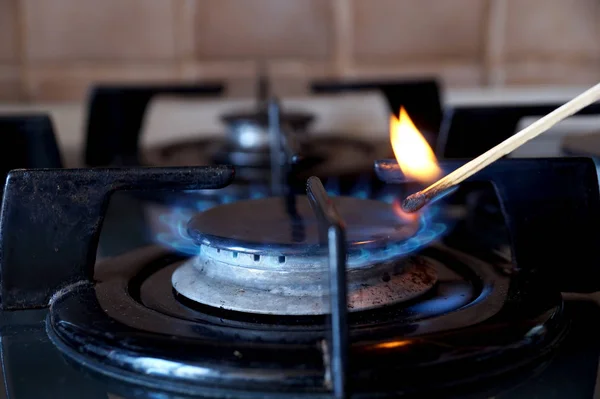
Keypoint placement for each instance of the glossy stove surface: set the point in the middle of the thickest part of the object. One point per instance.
(34, 367)
(133, 327)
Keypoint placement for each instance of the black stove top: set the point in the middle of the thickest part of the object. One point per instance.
(34, 367)
(481, 324)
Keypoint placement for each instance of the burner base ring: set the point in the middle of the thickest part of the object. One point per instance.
(378, 289)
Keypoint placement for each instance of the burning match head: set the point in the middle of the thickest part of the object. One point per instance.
(414, 202)
(418, 200)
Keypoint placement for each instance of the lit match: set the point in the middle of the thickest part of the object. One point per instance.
(438, 189)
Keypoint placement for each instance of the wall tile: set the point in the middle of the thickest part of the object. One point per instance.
(69, 44)
(239, 76)
(8, 30)
(71, 83)
(10, 84)
(546, 73)
(184, 14)
(552, 29)
(261, 28)
(282, 86)
(406, 31)
(61, 30)
(452, 75)
(218, 69)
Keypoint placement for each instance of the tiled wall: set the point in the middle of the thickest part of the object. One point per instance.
(51, 50)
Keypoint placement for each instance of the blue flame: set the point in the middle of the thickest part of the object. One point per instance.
(362, 189)
(332, 186)
(175, 234)
(431, 228)
(258, 194)
(388, 198)
(228, 199)
(173, 224)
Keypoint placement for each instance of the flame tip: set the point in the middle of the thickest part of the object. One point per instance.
(414, 155)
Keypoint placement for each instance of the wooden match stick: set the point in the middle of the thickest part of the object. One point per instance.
(417, 200)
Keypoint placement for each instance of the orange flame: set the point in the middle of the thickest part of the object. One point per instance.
(407, 217)
(414, 156)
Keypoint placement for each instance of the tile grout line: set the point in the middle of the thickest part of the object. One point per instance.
(177, 52)
(494, 47)
(23, 60)
(342, 37)
(184, 37)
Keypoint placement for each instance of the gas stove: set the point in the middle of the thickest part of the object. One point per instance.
(263, 308)
(193, 283)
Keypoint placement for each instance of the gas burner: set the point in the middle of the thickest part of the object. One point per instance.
(268, 227)
(258, 256)
(325, 154)
(249, 130)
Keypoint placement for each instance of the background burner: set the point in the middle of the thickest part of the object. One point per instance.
(328, 154)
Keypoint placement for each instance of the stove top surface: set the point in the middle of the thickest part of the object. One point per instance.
(131, 325)
(34, 367)
(471, 320)
(478, 325)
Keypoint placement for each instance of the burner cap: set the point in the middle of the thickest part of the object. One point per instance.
(263, 226)
(295, 119)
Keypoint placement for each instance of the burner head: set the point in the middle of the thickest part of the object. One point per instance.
(325, 154)
(256, 257)
(265, 227)
(249, 131)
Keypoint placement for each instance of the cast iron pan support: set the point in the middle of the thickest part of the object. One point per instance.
(116, 114)
(467, 132)
(333, 235)
(27, 141)
(421, 99)
(50, 223)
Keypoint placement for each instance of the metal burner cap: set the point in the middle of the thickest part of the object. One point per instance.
(263, 226)
(295, 119)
